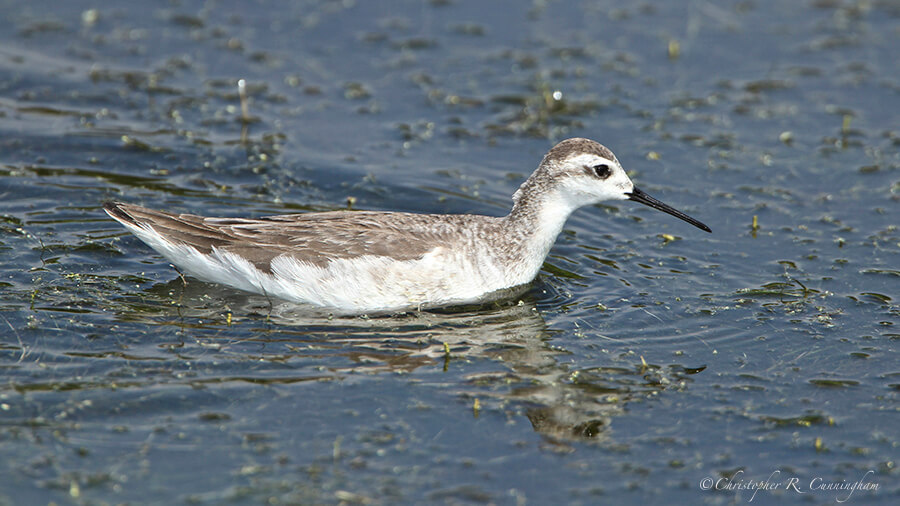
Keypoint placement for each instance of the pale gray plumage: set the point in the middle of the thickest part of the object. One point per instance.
(314, 238)
(415, 259)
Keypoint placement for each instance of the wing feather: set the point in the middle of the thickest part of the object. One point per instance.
(314, 238)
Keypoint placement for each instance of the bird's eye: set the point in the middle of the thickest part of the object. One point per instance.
(602, 170)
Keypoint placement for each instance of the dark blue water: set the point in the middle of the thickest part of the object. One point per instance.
(648, 363)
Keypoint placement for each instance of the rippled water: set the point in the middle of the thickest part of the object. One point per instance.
(647, 362)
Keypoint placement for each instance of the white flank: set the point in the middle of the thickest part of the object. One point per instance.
(363, 284)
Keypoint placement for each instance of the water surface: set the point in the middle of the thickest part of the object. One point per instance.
(646, 360)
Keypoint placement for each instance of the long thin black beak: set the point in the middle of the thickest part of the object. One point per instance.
(639, 196)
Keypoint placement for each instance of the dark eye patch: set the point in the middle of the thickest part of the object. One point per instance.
(602, 170)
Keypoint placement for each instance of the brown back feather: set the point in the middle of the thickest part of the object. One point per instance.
(314, 238)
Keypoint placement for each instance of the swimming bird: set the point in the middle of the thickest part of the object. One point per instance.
(372, 262)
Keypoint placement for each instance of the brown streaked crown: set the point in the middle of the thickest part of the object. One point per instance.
(577, 146)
